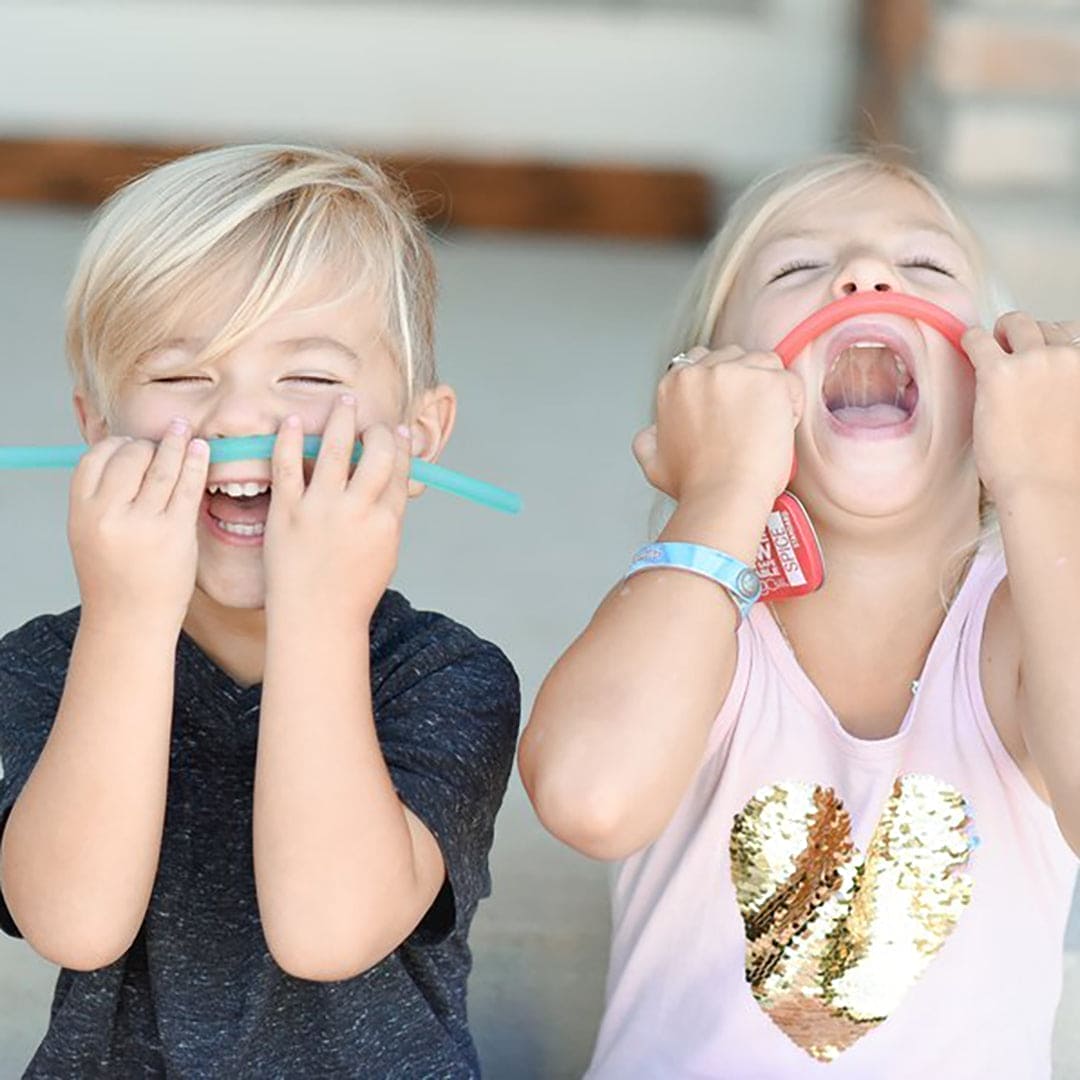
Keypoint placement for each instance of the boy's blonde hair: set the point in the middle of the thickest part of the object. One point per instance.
(277, 213)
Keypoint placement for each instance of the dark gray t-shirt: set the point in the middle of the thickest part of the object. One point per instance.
(198, 995)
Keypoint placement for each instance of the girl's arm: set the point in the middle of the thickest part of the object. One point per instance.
(1027, 441)
(620, 723)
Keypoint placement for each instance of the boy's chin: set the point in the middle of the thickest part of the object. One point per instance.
(239, 592)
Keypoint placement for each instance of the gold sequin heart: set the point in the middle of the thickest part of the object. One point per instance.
(834, 939)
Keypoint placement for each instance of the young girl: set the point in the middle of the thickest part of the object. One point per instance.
(846, 822)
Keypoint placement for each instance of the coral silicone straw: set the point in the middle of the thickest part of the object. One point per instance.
(252, 447)
(789, 561)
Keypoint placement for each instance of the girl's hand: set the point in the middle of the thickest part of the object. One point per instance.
(1027, 405)
(132, 522)
(331, 546)
(725, 421)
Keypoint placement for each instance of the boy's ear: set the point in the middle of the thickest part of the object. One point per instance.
(92, 424)
(431, 421)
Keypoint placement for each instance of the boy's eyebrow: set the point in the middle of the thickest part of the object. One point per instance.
(295, 345)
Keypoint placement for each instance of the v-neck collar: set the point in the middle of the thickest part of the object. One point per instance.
(793, 674)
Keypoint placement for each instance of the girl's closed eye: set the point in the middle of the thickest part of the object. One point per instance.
(794, 267)
(927, 262)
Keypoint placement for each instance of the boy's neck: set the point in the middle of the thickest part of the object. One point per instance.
(234, 638)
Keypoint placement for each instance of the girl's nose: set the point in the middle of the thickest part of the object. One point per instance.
(863, 274)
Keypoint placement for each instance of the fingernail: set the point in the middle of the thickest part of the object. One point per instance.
(404, 431)
(292, 421)
(348, 399)
(178, 425)
(199, 447)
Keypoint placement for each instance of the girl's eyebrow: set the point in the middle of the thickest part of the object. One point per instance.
(295, 345)
(914, 224)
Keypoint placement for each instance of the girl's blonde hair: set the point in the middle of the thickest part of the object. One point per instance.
(277, 213)
(709, 287)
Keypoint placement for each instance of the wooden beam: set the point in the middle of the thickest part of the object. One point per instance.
(892, 36)
(618, 201)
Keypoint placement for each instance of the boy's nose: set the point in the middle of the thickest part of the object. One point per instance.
(863, 275)
(239, 414)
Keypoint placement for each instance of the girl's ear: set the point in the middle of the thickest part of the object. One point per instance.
(431, 421)
(92, 424)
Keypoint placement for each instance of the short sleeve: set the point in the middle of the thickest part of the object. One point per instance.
(447, 719)
(29, 699)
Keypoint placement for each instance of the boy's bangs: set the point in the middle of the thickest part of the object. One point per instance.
(276, 254)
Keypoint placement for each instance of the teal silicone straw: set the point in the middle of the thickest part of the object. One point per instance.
(251, 447)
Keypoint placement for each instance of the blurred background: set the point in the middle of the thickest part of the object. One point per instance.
(574, 156)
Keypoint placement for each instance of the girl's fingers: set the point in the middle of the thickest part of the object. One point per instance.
(981, 346)
(335, 454)
(87, 476)
(287, 462)
(123, 476)
(1017, 332)
(1061, 333)
(190, 487)
(160, 480)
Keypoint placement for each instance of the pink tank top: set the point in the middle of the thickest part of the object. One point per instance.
(827, 906)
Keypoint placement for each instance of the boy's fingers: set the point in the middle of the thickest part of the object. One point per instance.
(376, 467)
(190, 487)
(338, 443)
(160, 479)
(1018, 331)
(123, 476)
(287, 462)
(397, 491)
(92, 465)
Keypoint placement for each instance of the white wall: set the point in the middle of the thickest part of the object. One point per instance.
(732, 93)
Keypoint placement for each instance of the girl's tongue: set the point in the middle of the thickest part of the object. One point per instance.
(869, 386)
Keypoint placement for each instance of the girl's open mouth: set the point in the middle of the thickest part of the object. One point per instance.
(869, 386)
(236, 511)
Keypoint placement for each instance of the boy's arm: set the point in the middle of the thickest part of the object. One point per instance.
(80, 848)
(620, 724)
(1033, 627)
(343, 871)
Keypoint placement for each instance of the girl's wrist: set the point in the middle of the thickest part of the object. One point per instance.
(730, 520)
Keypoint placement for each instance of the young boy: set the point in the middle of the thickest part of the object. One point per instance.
(247, 794)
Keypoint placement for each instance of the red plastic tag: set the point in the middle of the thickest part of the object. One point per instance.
(789, 561)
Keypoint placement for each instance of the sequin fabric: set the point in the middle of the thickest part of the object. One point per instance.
(834, 939)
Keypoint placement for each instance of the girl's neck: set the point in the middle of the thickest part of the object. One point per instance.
(234, 638)
(863, 638)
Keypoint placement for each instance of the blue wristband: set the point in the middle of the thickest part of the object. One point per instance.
(738, 579)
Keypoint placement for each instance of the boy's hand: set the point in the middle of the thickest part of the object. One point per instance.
(331, 546)
(132, 524)
(725, 420)
(1027, 405)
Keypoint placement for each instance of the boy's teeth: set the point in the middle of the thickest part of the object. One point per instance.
(238, 529)
(239, 491)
